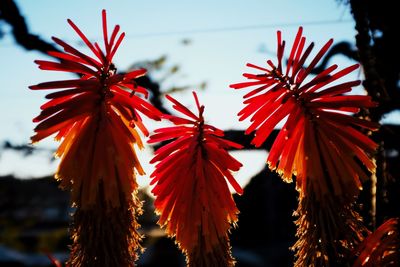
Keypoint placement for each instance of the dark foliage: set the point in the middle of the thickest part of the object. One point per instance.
(378, 51)
(9, 12)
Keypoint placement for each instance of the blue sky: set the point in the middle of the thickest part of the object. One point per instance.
(224, 36)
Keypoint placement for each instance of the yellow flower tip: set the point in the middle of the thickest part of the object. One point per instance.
(140, 146)
(270, 165)
(287, 179)
(142, 172)
(34, 140)
(372, 169)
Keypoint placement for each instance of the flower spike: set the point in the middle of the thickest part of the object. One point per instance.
(321, 143)
(95, 117)
(192, 195)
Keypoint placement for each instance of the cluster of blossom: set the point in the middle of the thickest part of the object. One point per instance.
(97, 117)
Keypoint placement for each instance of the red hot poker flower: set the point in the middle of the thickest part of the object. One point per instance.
(319, 135)
(380, 248)
(95, 117)
(321, 143)
(192, 196)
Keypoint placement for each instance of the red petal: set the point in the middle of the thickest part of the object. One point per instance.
(295, 46)
(266, 128)
(84, 38)
(69, 49)
(65, 66)
(65, 84)
(315, 61)
(181, 108)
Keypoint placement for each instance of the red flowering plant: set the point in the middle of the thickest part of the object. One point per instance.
(321, 143)
(380, 248)
(96, 116)
(192, 195)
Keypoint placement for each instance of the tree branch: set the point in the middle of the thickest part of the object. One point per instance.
(9, 12)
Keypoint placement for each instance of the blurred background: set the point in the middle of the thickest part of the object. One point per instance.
(186, 46)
